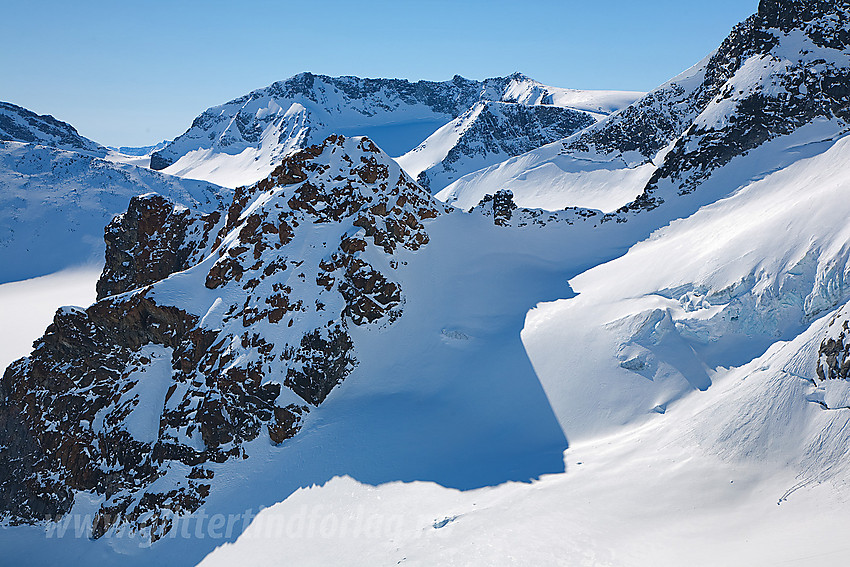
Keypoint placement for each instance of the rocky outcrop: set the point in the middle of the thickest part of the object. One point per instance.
(504, 212)
(152, 240)
(834, 354)
(190, 370)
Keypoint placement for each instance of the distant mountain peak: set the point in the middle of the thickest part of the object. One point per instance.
(240, 142)
(780, 70)
(17, 124)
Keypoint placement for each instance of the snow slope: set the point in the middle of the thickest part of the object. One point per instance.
(713, 290)
(55, 204)
(488, 133)
(441, 389)
(726, 477)
(240, 142)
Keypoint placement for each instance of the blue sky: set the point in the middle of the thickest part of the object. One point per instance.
(129, 73)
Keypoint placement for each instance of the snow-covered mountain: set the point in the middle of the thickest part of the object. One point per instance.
(238, 363)
(488, 133)
(778, 72)
(659, 365)
(241, 141)
(701, 378)
(191, 380)
(18, 124)
(55, 203)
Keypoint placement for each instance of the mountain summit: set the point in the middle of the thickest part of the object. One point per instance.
(17, 124)
(782, 71)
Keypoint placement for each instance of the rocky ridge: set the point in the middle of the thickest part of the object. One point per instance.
(18, 124)
(779, 78)
(488, 133)
(782, 69)
(246, 335)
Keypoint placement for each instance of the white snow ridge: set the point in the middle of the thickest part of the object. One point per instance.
(462, 323)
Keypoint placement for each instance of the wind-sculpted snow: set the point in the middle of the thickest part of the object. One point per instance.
(713, 290)
(243, 140)
(54, 205)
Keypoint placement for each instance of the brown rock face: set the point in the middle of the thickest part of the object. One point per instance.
(189, 370)
(151, 241)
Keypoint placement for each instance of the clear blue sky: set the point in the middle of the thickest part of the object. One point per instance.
(134, 73)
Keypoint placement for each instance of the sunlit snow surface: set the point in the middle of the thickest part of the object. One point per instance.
(447, 396)
(729, 475)
(678, 363)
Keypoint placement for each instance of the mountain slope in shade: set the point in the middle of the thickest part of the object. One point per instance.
(242, 141)
(18, 124)
(55, 203)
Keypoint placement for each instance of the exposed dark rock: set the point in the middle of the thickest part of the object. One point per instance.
(236, 125)
(151, 241)
(501, 129)
(834, 354)
(503, 206)
(159, 161)
(64, 411)
(798, 92)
